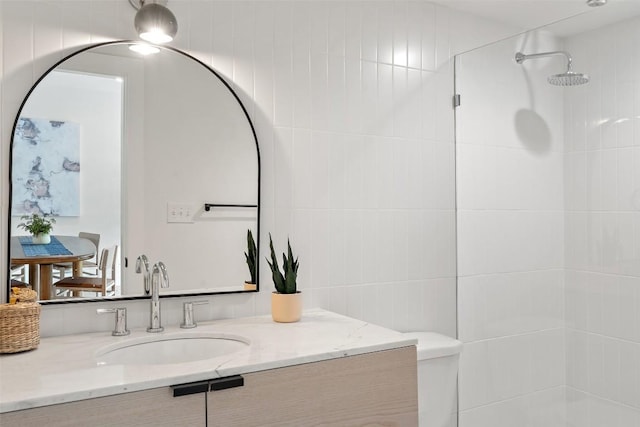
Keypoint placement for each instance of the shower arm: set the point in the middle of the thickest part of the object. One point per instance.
(521, 57)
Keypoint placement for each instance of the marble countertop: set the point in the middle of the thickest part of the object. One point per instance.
(64, 369)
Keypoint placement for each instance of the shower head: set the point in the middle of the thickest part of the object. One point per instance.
(569, 78)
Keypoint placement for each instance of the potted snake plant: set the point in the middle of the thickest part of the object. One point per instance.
(286, 300)
(251, 258)
(39, 227)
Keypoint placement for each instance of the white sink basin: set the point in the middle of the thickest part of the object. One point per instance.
(169, 348)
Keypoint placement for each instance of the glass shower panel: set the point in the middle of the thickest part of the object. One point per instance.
(509, 131)
(548, 197)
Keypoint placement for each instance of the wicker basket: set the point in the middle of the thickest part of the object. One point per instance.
(19, 327)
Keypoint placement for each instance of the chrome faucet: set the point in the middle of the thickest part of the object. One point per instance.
(143, 262)
(159, 277)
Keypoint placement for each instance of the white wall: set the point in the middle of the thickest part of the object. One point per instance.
(352, 106)
(510, 236)
(602, 233)
(206, 154)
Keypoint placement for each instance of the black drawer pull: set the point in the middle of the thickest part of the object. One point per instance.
(190, 388)
(226, 382)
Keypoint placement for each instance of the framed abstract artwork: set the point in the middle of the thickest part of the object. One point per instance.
(46, 168)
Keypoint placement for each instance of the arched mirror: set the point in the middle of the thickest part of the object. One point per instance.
(140, 154)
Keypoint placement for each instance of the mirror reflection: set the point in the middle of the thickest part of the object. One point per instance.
(133, 155)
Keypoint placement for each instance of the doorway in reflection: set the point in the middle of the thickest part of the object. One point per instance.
(67, 163)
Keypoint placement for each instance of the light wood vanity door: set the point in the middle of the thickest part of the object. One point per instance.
(374, 389)
(156, 407)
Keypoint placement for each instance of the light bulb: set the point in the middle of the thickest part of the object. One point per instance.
(155, 23)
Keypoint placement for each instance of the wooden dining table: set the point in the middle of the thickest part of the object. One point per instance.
(41, 266)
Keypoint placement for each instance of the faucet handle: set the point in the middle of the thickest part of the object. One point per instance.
(121, 320)
(188, 321)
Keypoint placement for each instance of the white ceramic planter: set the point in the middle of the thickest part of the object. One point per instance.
(41, 239)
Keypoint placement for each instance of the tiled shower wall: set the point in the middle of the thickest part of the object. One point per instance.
(352, 107)
(602, 229)
(510, 237)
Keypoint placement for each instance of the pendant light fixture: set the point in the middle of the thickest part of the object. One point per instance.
(154, 22)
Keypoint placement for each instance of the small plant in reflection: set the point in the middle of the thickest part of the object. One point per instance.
(36, 224)
(284, 283)
(251, 257)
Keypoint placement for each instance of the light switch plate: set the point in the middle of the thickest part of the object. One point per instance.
(179, 212)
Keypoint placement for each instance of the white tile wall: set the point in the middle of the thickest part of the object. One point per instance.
(587, 410)
(539, 409)
(502, 368)
(499, 305)
(351, 104)
(602, 237)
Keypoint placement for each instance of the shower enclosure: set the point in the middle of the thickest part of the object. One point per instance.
(548, 198)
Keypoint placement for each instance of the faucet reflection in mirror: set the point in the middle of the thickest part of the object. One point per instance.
(142, 267)
(159, 277)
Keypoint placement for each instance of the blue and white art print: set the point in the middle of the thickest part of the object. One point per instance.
(46, 168)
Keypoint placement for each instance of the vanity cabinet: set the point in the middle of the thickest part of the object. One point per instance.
(155, 407)
(372, 389)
